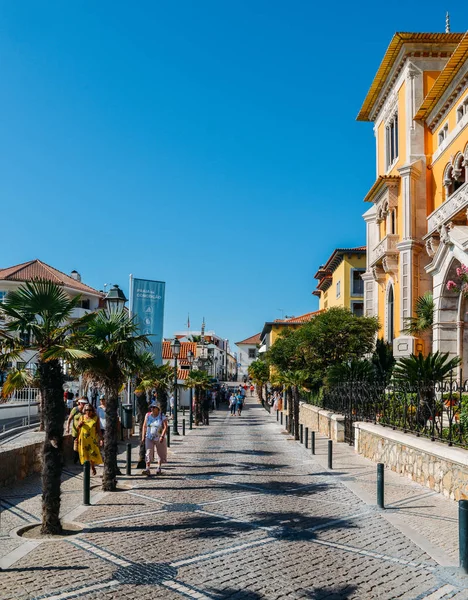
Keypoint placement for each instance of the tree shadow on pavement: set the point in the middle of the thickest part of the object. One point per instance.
(330, 593)
(195, 526)
(299, 526)
(345, 592)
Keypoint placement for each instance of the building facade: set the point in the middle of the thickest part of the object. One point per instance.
(417, 226)
(340, 280)
(11, 278)
(248, 352)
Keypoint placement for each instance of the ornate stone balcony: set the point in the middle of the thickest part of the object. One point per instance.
(447, 211)
(386, 248)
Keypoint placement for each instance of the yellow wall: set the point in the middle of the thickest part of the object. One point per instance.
(342, 274)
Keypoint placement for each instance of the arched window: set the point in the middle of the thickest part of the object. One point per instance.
(455, 175)
(390, 315)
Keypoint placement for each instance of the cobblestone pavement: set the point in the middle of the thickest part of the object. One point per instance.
(242, 511)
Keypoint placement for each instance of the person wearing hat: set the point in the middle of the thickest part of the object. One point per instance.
(154, 436)
(74, 419)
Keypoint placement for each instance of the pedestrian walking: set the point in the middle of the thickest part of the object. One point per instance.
(171, 404)
(73, 420)
(239, 404)
(101, 413)
(233, 404)
(89, 437)
(252, 390)
(154, 435)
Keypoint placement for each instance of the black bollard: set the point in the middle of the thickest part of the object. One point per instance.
(330, 454)
(301, 434)
(380, 485)
(129, 459)
(86, 483)
(463, 534)
(277, 415)
(281, 418)
(312, 441)
(306, 444)
(168, 437)
(286, 422)
(183, 426)
(191, 423)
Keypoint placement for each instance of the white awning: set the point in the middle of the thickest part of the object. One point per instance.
(262, 349)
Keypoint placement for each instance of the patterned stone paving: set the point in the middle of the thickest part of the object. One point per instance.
(242, 511)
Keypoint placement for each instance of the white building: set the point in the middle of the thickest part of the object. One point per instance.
(248, 352)
(11, 278)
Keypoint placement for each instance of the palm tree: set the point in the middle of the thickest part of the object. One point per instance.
(424, 316)
(38, 314)
(420, 374)
(200, 381)
(260, 374)
(115, 346)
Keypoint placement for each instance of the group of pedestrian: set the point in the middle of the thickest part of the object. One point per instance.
(87, 429)
(237, 400)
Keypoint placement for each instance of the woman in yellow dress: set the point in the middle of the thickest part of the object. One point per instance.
(89, 438)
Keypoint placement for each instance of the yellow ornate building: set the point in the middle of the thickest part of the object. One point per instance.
(340, 280)
(417, 226)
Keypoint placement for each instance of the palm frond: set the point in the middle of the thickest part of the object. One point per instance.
(16, 379)
(424, 316)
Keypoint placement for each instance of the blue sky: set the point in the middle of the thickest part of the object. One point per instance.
(212, 145)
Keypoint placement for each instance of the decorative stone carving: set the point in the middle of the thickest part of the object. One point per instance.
(453, 205)
(378, 274)
(390, 265)
(432, 245)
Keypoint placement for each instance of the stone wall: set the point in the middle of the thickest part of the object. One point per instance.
(23, 457)
(322, 421)
(435, 465)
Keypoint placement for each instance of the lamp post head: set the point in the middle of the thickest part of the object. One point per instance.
(115, 299)
(175, 347)
(190, 357)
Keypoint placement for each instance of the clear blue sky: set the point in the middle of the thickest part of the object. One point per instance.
(210, 144)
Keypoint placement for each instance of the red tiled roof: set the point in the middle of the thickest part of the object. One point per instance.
(255, 339)
(183, 374)
(36, 269)
(184, 348)
(303, 318)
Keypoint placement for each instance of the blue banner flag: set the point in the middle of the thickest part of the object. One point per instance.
(147, 306)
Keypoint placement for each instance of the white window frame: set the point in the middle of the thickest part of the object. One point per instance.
(443, 134)
(389, 159)
(338, 288)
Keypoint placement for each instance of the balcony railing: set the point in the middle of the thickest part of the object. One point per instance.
(446, 211)
(387, 246)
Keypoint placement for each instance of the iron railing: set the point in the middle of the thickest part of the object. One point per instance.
(436, 410)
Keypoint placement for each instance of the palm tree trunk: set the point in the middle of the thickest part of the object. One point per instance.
(109, 479)
(162, 397)
(296, 413)
(290, 409)
(142, 409)
(198, 415)
(51, 377)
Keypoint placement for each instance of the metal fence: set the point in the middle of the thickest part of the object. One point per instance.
(436, 410)
(23, 396)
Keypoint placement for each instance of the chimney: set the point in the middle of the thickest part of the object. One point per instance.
(75, 275)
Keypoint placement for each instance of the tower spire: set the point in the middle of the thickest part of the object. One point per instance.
(447, 22)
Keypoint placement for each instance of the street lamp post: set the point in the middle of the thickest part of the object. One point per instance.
(175, 346)
(190, 359)
(115, 299)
